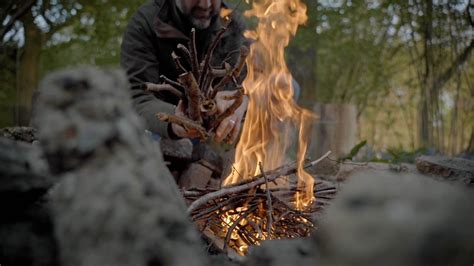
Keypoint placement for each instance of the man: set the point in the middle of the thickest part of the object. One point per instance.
(153, 33)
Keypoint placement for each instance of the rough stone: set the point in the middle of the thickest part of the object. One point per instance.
(448, 168)
(326, 169)
(25, 176)
(282, 253)
(195, 176)
(26, 134)
(210, 154)
(382, 218)
(116, 203)
(27, 237)
(181, 149)
(26, 233)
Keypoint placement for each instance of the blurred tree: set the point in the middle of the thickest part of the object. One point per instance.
(406, 65)
(391, 58)
(44, 31)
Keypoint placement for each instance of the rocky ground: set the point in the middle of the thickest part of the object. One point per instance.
(93, 189)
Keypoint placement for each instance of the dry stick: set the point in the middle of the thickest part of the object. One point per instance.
(193, 94)
(255, 181)
(244, 52)
(239, 97)
(172, 82)
(184, 122)
(177, 62)
(186, 52)
(234, 96)
(208, 210)
(235, 223)
(269, 200)
(219, 73)
(163, 87)
(193, 52)
(207, 59)
(234, 73)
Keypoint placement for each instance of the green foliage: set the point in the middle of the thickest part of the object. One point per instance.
(354, 151)
(373, 54)
(399, 155)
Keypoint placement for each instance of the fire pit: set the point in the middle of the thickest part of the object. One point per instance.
(240, 215)
(253, 205)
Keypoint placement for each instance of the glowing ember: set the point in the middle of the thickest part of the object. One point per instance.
(272, 113)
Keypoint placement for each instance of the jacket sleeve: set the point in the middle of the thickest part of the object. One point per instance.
(139, 60)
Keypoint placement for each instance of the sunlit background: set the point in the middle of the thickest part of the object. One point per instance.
(405, 67)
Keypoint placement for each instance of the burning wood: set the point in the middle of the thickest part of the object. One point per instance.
(244, 214)
(200, 88)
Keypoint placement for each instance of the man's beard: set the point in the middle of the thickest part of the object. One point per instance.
(198, 23)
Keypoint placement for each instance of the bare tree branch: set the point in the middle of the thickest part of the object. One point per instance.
(20, 13)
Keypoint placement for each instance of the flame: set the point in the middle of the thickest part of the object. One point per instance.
(272, 114)
(225, 12)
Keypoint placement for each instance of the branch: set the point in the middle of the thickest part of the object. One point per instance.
(207, 58)
(20, 13)
(455, 66)
(193, 51)
(239, 97)
(269, 200)
(194, 96)
(163, 87)
(255, 181)
(234, 73)
(172, 82)
(177, 62)
(184, 122)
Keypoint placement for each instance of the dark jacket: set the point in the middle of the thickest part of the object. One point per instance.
(152, 34)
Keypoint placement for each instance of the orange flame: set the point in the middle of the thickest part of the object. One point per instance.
(272, 114)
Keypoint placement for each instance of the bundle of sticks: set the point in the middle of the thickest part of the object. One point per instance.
(238, 216)
(200, 85)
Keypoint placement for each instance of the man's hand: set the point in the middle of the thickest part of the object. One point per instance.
(229, 128)
(179, 130)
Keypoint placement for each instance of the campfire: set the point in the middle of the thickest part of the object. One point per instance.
(244, 214)
(264, 197)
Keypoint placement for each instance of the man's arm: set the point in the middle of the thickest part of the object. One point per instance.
(138, 58)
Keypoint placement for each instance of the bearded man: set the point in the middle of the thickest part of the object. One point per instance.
(153, 33)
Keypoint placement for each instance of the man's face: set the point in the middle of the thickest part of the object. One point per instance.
(199, 12)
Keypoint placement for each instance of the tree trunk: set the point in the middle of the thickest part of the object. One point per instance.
(470, 147)
(29, 69)
(426, 123)
(336, 129)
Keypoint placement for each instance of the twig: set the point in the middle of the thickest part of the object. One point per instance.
(194, 58)
(219, 73)
(163, 87)
(193, 94)
(235, 223)
(207, 58)
(234, 73)
(172, 82)
(255, 181)
(184, 122)
(269, 200)
(239, 97)
(186, 53)
(244, 52)
(177, 62)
